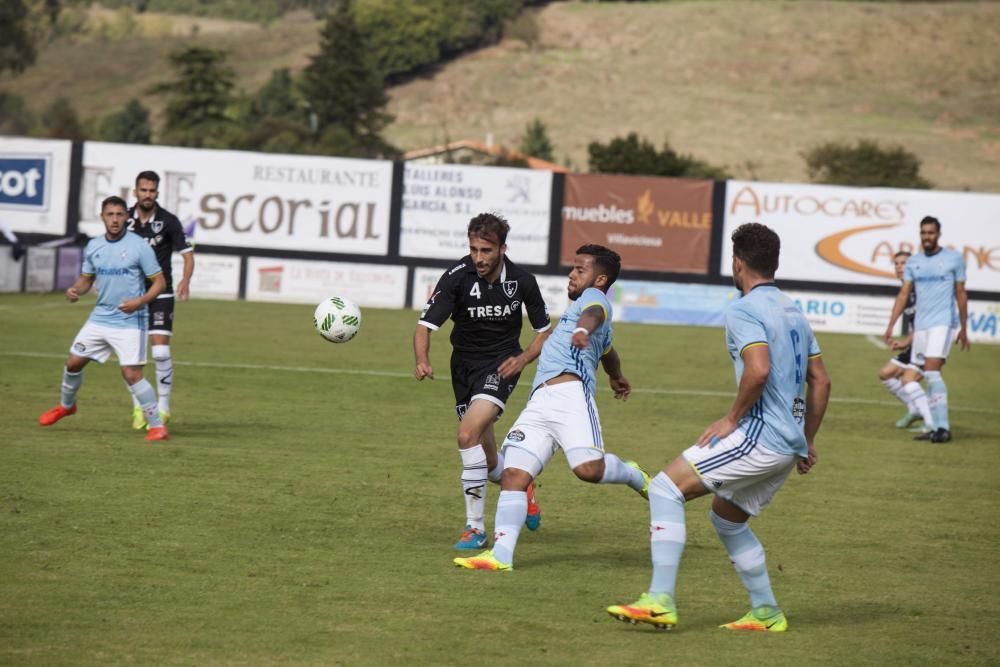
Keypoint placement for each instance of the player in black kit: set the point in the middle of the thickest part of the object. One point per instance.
(900, 370)
(163, 232)
(483, 294)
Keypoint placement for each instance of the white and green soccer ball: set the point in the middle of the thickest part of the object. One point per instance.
(337, 319)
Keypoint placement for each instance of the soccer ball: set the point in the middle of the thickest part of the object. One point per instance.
(337, 319)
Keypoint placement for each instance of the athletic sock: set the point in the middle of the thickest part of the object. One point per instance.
(747, 555)
(144, 392)
(917, 396)
(512, 510)
(496, 472)
(70, 385)
(474, 486)
(937, 398)
(895, 387)
(164, 375)
(616, 472)
(667, 533)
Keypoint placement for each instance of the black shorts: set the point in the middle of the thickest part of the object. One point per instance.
(161, 316)
(479, 377)
(904, 357)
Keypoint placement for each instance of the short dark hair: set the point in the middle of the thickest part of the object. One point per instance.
(607, 260)
(148, 176)
(758, 246)
(113, 200)
(931, 220)
(902, 253)
(488, 226)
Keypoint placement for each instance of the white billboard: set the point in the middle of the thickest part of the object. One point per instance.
(440, 199)
(215, 276)
(305, 281)
(251, 200)
(837, 234)
(34, 185)
(553, 289)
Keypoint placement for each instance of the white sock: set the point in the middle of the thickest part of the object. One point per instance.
(937, 399)
(896, 388)
(616, 472)
(70, 386)
(496, 472)
(915, 393)
(474, 486)
(164, 375)
(144, 392)
(512, 509)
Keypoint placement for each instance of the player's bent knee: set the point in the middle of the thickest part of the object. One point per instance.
(515, 479)
(132, 374)
(591, 471)
(160, 352)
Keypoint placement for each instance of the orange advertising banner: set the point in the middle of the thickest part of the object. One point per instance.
(655, 224)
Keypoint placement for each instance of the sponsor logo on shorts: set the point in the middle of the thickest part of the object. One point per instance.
(461, 408)
(159, 319)
(492, 382)
(717, 483)
(79, 347)
(515, 436)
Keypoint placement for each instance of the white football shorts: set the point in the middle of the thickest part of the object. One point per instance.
(561, 416)
(97, 342)
(740, 470)
(932, 343)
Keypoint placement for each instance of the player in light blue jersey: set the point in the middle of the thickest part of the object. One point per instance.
(938, 275)
(561, 412)
(119, 262)
(744, 457)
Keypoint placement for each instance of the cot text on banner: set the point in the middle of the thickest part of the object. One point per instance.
(839, 234)
(252, 200)
(439, 200)
(655, 224)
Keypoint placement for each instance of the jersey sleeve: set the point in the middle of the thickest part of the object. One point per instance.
(441, 304)
(147, 260)
(88, 265)
(743, 329)
(908, 270)
(178, 240)
(534, 304)
(595, 297)
(959, 269)
(814, 350)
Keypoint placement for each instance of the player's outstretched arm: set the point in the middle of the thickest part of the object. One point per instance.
(514, 365)
(756, 370)
(79, 288)
(817, 397)
(421, 351)
(897, 310)
(587, 323)
(612, 364)
(962, 300)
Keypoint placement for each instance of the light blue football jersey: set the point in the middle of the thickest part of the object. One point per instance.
(120, 269)
(559, 357)
(765, 316)
(934, 277)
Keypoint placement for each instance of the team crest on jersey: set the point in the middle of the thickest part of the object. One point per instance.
(157, 226)
(510, 288)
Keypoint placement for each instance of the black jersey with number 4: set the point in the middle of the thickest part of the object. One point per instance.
(164, 234)
(487, 315)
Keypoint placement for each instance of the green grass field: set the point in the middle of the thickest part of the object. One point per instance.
(304, 509)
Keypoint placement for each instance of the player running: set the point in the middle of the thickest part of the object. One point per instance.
(745, 457)
(941, 319)
(483, 295)
(562, 412)
(120, 264)
(163, 232)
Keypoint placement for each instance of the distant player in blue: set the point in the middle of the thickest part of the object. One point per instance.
(938, 275)
(119, 262)
(744, 457)
(561, 412)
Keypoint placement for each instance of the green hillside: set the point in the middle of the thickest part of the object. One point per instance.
(747, 85)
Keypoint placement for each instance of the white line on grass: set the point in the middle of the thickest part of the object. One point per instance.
(395, 374)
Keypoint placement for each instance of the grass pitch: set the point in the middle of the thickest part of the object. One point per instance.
(304, 509)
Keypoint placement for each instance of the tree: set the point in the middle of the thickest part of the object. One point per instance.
(866, 164)
(17, 50)
(633, 155)
(275, 99)
(128, 126)
(344, 89)
(198, 99)
(536, 142)
(15, 116)
(61, 121)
